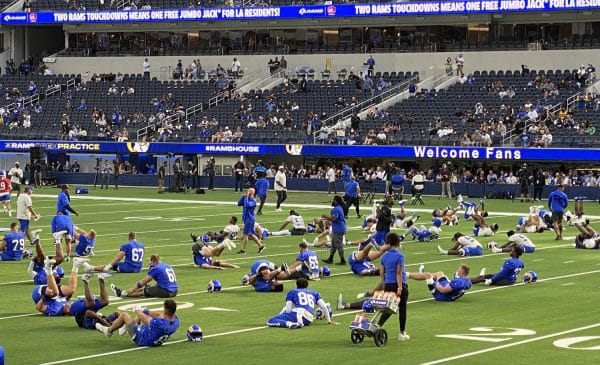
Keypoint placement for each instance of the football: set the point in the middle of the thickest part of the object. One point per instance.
(194, 333)
(530, 277)
(213, 286)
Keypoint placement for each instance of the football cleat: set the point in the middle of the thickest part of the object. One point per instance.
(104, 275)
(340, 302)
(103, 329)
(194, 237)
(116, 291)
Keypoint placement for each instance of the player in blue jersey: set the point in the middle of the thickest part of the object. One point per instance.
(36, 266)
(299, 310)
(463, 246)
(89, 301)
(248, 204)
(61, 227)
(514, 239)
(90, 318)
(263, 277)
(441, 287)
(360, 260)
(150, 328)
(306, 265)
(509, 272)
(52, 299)
(557, 203)
(63, 202)
(423, 234)
(132, 254)
(204, 254)
(164, 276)
(85, 242)
(12, 246)
(471, 209)
(262, 186)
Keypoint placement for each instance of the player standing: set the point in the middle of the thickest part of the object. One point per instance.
(5, 189)
(16, 176)
(24, 213)
(248, 204)
(557, 203)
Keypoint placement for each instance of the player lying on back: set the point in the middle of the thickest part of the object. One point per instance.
(448, 215)
(360, 261)
(89, 301)
(204, 254)
(52, 299)
(61, 227)
(579, 217)
(85, 242)
(514, 239)
(424, 234)
(471, 209)
(463, 246)
(299, 310)
(36, 265)
(150, 328)
(507, 274)
(588, 238)
(90, 318)
(402, 220)
(263, 276)
(298, 226)
(530, 224)
(441, 287)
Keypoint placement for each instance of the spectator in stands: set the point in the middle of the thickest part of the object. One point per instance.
(460, 62)
(146, 68)
(32, 88)
(235, 68)
(302, 85)
(283, 64)
(82, 105)
(370, 63)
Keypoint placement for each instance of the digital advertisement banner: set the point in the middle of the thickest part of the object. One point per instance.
(295, 12)
(333, 151)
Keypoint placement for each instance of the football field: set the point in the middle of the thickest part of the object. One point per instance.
(552, 321)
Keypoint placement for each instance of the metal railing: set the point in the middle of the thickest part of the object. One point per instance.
(122, 4)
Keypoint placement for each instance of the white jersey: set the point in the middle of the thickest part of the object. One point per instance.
(467, 241)
(521, 240)
(434, 230)
(485, 232)
(231, 230)
(16, 175)
(23, 204)
(297, 221)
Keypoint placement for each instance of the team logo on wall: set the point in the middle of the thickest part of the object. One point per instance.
(331, 10)
(294, 149)
(140, 147)
(32, 17)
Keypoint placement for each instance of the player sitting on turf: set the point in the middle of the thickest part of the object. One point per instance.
(507, 275)
(579, 216)
(232, 229)
(530, 224)
(298, 226)
(150, 328)
(321, 228)
(261, 231)
(204, 254)
(424, 234)
(448, 215)
(52, 299)
(441, 287)
(306, 265)
(299, 308)
(166, 282)
(132, 254)
(36, 266)
(514, 239)
(89, 301)
(90, 318)
(62, 227)
(360, 261)
(12, 246)
(588, 238)
(263, 277)
(463, 246)
(85, 242)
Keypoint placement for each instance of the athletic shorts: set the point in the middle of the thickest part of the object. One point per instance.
(5, 198)
(472, 251)
(557, 216)
(528, 249)
(157, 292)
(298, 231)
(24, 224)
(15, 186)
(125, 268)
(249, 228)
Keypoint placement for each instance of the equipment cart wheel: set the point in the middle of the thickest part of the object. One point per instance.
(381, 337)
(356, 336)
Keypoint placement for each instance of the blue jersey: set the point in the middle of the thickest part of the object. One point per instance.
(557, 201)
(346, 173)
(79, 306)
(543, 212)
(338, 225)
(55, 306)
(459, 287)
(248, 205)
(258, 263)
(85, 245)
(262, 285)
(303, 298)
(164, 276)
(310, 262)
(134, 254)
(62, 222)
(156, 332)
(359, 266)
(390, 261)
(62, 202)
(262, 186)
(510, 270)
(40, 277)
(351, 189)
(200, 259)
(15, 243)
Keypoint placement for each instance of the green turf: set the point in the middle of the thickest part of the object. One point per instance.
(563, 300)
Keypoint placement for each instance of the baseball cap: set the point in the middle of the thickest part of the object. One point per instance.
(28, 188)
(281, 167)
(65, 186)
(17, 163)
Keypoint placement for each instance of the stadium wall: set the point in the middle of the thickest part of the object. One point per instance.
(492, 60)
(431, 188)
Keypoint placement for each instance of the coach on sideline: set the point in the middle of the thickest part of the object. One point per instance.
(557, 203)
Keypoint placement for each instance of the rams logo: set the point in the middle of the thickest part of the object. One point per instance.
(294, 149)
(138, 146)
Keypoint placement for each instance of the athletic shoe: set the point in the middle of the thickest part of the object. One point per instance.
(68, 259)
(122, 331)
(278, 210)
(103, 275)
(36, 236)
(363, 295)
(86, 278)
(340, 302)
(459, 198)
(421, 269)
(441, 250)
(193, 237)
(103, 330)
(491, 245)
(241, 252)
(285, 268)
(292, 325)
(482, 272)
(403, 336)
(78, 261)
(262, 248)
(116, 291)
(48, 262)
(401, 202)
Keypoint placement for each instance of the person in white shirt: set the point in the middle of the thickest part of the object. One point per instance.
(280, 187)
(235, 67)
(16, 176)
(330, 175)
(514, 239)
(463, 246)
(298, 226)
(24, 213)
(146, 68)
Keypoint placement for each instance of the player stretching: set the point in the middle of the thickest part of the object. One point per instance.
(514, 239)
(507, 275)
(248, 204)
(588, 238)
(204, 254)
(443, 289)
(166, 282)
(132, 254)
(12, 246)
(463, 246)
(298, 226)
